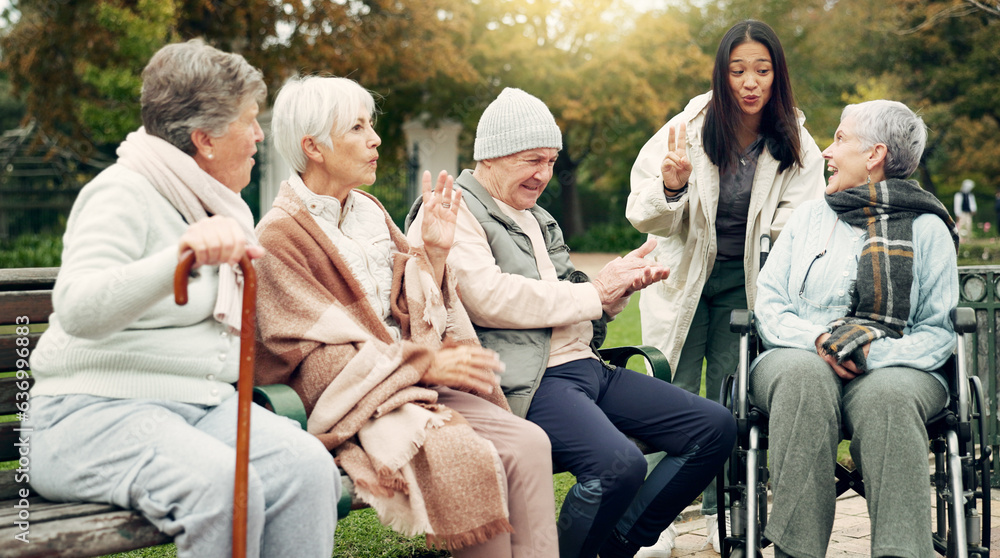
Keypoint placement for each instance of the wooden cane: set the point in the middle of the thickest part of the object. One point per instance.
(244, 388)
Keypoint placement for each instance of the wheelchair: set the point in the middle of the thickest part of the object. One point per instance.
(961, 479)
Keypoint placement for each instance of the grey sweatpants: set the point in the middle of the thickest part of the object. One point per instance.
(175, 463)
(883, 411)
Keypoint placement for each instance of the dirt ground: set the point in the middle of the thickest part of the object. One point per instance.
(590, 263)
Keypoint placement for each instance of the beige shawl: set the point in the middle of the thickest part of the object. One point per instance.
(418, 464)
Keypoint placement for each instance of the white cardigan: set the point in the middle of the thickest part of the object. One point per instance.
(685, 229)
(115, 330)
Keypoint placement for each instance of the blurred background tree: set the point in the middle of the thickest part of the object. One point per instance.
(612, 71)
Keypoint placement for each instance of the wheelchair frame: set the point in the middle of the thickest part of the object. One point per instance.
(960, 478)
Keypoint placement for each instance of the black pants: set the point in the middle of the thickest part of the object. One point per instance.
(584, 408)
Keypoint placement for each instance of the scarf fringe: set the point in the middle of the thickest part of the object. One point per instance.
(368, 491)
(441, 415)
(474, 537)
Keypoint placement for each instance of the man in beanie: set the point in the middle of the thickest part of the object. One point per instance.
(546, 319)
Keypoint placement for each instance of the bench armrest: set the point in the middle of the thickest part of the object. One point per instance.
(282, 400)
(619, 356)
(285, 402)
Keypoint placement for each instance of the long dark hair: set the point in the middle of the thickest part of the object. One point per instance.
(778, 123)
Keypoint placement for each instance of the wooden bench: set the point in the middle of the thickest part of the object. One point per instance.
(57, 529)
(31, 526)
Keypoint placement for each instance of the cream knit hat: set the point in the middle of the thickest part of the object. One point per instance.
(516, 121)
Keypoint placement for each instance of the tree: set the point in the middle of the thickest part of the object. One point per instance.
(609, 77)
(78, 64)
(943, 54)
(81, 86)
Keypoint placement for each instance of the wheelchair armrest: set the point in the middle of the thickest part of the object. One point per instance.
(618, 356)
(964, 320)
(741, 321)
(282, 400)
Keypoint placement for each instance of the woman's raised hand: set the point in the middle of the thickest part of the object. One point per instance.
(440, 212)
(465, 367)
(217, 240)
(676, 167)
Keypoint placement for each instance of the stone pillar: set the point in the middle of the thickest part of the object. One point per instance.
(430, 148)
(273, 169)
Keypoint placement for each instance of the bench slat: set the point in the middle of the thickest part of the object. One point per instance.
(36, 305)
(9, 489)
(21, 279)
(9, 347)
(44, 510)
(8, 437)
(92, 535)
(9, 388)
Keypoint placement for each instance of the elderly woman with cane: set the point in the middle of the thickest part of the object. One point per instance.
(369, 330)
(133, 403)
(853, 305)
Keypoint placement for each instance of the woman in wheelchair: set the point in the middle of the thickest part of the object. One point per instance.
(853, 307)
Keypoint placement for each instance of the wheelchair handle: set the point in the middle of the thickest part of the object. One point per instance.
(964, 320)
(765, 248)
(741, 321)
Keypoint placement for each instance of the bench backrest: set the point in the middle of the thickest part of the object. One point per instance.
(25, 305)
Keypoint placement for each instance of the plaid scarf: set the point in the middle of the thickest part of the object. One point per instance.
(881, 296)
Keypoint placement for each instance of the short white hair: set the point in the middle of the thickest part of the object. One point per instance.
(891, 123)
(318, 107)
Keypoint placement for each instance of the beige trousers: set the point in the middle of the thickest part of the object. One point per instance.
(527, 459)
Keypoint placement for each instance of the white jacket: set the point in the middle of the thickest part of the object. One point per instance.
(685, 229)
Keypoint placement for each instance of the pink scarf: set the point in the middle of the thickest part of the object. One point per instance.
(195, 194)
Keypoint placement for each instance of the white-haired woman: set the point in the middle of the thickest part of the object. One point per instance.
(133, 402)
(370, 332)
(854, 306)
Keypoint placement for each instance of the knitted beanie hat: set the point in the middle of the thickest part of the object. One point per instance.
(516, 121)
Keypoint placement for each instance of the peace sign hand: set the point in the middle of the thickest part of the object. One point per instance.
(676, 167)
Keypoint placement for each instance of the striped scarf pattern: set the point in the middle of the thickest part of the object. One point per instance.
(886, 211)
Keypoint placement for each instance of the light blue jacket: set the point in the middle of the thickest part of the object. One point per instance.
(787, 319)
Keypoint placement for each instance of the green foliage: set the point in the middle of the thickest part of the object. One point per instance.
(114, 76)
(390, 189)
(606, 237)
(979, 251)
(31, 250)
(625, 330)
(11, 108)
(78, 65)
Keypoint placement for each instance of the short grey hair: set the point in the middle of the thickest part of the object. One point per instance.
(193, 86)
(320, 107)
(891, 123)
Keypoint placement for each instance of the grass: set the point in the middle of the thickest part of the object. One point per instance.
(979, 251)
